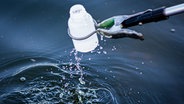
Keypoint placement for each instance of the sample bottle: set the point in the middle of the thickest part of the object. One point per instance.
(80, 25)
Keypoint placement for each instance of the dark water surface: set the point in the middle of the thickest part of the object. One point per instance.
(38, 66)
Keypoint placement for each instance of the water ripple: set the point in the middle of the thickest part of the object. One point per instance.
(50, 82)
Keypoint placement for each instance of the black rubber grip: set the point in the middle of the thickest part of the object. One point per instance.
(146, 17)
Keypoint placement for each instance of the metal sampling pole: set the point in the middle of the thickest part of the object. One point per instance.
(153, 15)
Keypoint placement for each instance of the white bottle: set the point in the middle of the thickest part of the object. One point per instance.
(80, 25)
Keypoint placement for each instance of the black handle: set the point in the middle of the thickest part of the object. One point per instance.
(145, 17)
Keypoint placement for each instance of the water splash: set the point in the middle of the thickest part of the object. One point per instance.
(78, 68)
(53, 84)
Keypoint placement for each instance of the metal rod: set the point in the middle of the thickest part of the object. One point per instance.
(174, 10)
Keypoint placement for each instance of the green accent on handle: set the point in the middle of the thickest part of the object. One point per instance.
(107, 23)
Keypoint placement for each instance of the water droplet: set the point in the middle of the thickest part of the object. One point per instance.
(69, 93)
(71, 75)
(101, 38)
(80, 99)
(98, 52)
(70, 63)
(140, 73)
(140, 23)
(23, 79)
(89, 58)
(51, 72)
(101, 47)
(113, 48)
(80, 92)
(61, 95)
(81, 81)
(33, 60)
(66, 84)
(173, 30)
(104, 52)
(63, 77)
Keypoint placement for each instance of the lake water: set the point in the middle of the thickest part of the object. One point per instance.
(39, 66)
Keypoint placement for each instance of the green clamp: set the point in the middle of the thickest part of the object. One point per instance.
(107, 23)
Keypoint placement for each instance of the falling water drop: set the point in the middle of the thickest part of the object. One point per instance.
(22, 79)
(105, 52)
(172, 30)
